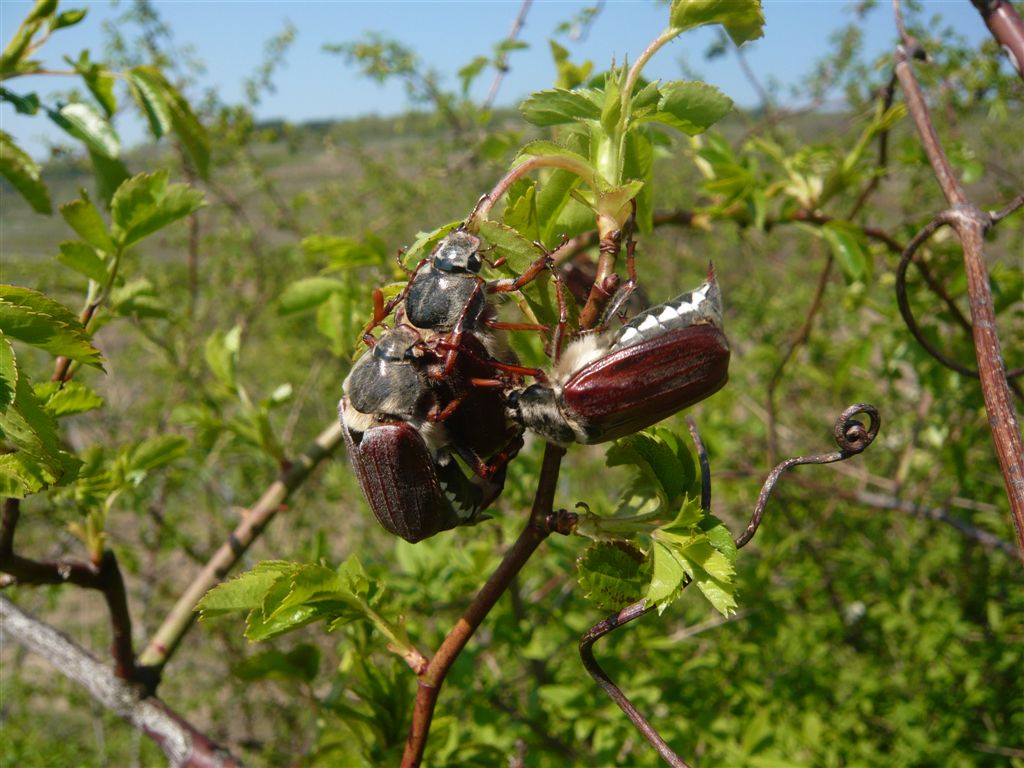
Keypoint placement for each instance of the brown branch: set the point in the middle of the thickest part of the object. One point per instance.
(591, 636)
(182, 744)
(170, 633)
(539, 526)
(888, 95)
(1006, 27)
(801, 337)
(105, 577)
(971, 224)
(502, 63)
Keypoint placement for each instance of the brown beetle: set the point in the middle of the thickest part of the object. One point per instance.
(407, 415)
(611, 384)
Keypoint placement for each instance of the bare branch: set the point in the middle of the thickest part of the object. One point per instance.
(182, 744)
(105, 577)
(851, 436)
(971, 224)
(165, 640)
(502, 63)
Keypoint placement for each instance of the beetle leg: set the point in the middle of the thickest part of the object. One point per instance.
(509, 284)
(497, 462)
(521, 370)
(436, 413)
(502, 326)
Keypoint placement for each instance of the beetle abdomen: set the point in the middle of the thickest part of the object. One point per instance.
(397, 475)
(641, 384)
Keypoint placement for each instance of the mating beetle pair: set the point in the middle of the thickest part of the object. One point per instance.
(441, 388)
(431, 394)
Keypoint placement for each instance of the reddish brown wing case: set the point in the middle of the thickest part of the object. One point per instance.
(640, 385)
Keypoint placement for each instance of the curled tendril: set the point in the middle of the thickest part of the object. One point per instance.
(852, 437)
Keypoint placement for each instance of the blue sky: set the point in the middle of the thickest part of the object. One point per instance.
(229, 38)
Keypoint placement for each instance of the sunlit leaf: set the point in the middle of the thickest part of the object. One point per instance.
(23, 174)
(35, 319)
(82, 258)
(742, 19)
(88, 126)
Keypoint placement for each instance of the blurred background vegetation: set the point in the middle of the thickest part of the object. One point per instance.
(881, 609)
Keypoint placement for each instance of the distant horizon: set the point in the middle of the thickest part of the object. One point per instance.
(314, 86)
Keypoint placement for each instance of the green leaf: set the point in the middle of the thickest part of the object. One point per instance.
(509, 244)
(742, 19)
(98, 79)
(554, 195)
(32, 432)
(846, 247)
(613, 574)
(301, 663)
(638, 164)
(222, 351)
(88, 126)
(110, 173)
(146, 203)
(521, 210)
(164, 105)
(306, 294)
(558, 106)
(84, 259)
(24, 175)
(157, 452)
(691, 107)
(611, 107)
(67, 398)
(667, 576)
(712, 572)
(244, 592)
(35, 319)
(14, 53)
(85, 219)
(23, 105)
(149, 94)
(656, 461)
(68, 18)
(8, 373)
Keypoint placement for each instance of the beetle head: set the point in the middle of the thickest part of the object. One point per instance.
(458, 252)
(536, 407)
(397, 345)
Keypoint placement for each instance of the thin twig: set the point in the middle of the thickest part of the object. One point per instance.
(591, 636)
(170, 633)
(850, 435)
(182, 744)
(501, 65)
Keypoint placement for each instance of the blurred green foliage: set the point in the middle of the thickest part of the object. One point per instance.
(867, 631)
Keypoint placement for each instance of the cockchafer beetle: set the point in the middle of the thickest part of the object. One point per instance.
(445, 294)
(405, 419)
(611, 384)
